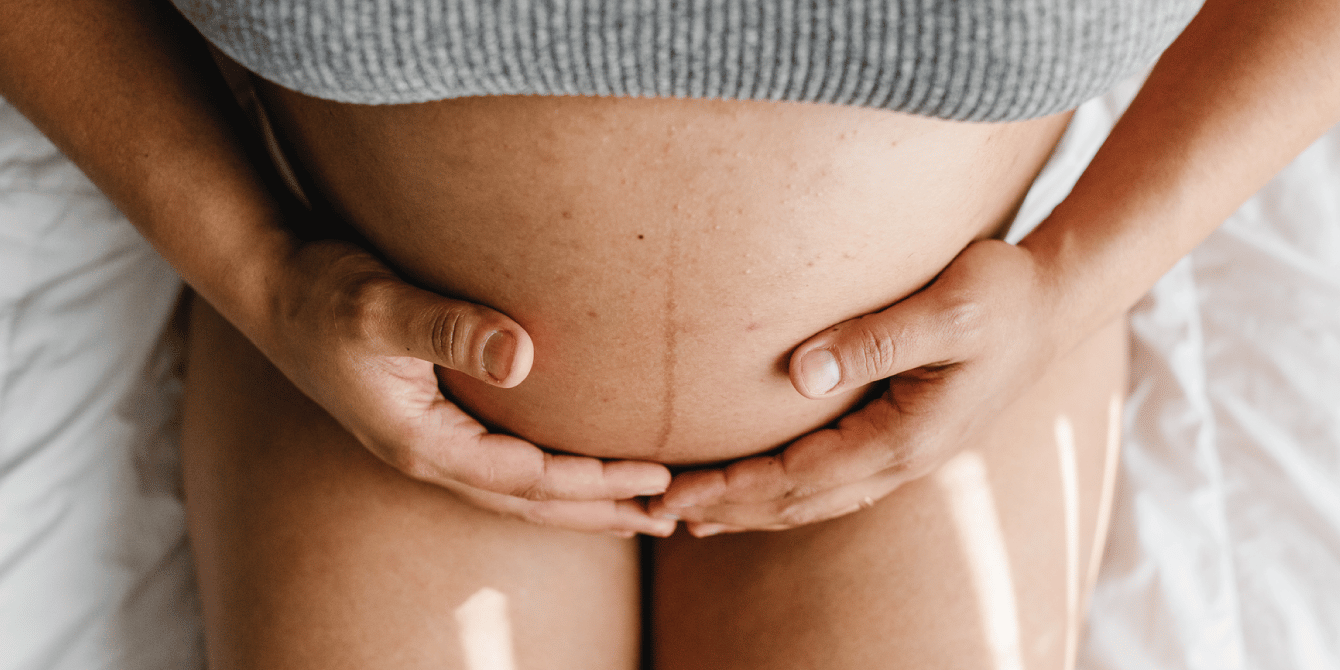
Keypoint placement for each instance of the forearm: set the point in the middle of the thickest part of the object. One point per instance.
(1245, 88)
(126, 91)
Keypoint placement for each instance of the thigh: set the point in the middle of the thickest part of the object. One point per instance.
(984, 564)
(313, 553)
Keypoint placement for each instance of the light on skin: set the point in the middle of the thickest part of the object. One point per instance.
(1109, 484)
(486, 631)
(1065, 456)
(973, 506)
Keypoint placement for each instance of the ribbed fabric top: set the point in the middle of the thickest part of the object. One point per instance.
(980, 60)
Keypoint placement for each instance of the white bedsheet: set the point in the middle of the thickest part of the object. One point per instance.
(1225, 549)
(94, 567)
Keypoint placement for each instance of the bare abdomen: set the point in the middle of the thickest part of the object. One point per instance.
(664, 255)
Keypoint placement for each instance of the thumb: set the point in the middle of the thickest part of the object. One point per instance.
(457, 335)
(918, 331)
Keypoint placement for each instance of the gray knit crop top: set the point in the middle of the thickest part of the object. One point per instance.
(980, 60)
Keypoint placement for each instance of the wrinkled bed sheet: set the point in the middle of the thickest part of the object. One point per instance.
(94, 565)
(1225, 546)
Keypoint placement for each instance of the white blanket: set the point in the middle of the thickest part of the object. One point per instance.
(94, 566)
(1225, 549)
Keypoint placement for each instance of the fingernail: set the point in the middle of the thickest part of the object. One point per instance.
(707, 529)
(499, 351)
(819, 371)
(662, 529)
(652, 492)
(668, 515)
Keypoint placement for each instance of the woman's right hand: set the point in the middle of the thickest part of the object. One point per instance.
(138, 105)
(366, 346)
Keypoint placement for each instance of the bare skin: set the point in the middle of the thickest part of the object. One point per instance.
(811, 589)
(664, 256)
(1244, 90)
(315, 554)
(909, 581)
(312, 553)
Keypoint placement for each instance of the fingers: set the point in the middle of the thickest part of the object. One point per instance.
(925, 329)
(445, 444)
(825, 474)
(621, 517)
(580, 477)
(461, 336)
(507, 465)
(618, 517)
(460, 449)
(791, 513)
(513, 477)
(855, 450)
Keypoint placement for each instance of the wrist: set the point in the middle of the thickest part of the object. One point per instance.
(235, 257)
(1067, 308)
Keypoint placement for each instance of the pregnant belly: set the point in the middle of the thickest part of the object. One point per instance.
(665, 256)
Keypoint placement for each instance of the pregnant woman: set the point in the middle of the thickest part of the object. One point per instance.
(755, 242)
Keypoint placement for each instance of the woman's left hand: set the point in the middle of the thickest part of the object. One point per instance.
(953, 356)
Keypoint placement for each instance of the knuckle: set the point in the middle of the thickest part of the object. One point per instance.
(965, 316)
(912, 463)
(365, 308)
(532, 514)
(451, 330)
(549, 514)
(530, 485)
(801, 489)
(876, 351)
(482, 476)
(902, 459)
(508, 508)
(797, 515)
(532, 491)
(792, 475)
(414, 465)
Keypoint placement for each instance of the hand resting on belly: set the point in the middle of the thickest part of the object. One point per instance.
(665, 256)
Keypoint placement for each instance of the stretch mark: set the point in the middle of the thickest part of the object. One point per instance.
(670, 359)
